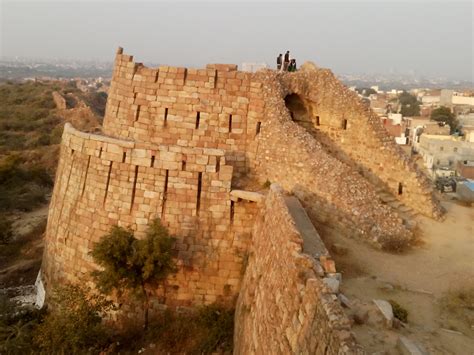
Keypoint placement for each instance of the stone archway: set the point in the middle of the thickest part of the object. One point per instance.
(299, 111)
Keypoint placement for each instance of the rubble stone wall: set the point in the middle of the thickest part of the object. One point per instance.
(217, 107)
(102, 182)
(284, 307)
(334, 194)
(355, 135)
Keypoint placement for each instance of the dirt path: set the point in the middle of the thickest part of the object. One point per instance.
(418, 280)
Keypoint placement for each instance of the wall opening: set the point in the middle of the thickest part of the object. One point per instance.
(198, 200)
(230, 123)
(100, 152)
(107, 184)
(183, 165)
(259, 127)
(152, 163)
(232, 211)
(124, 156)
(218, 164)
(400, 188)
(85, 177)
(318, 122)
(134, 187)
(165, 196)
(118, 109)
(298, 111)
(344, 124)
(166, 117)
(137, 113)
(198, 119)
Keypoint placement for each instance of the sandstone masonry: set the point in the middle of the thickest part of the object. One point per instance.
(175, 144)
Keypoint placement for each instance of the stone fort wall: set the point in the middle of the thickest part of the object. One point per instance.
(217, 107)
(336, 196)
(284, 306)
(354, 134)
(103, 181)
(174, 142)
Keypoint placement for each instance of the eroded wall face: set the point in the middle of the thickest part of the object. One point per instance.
(216, 107)
(284, 307)
(334, 194)
(355, 135)
(103, 182)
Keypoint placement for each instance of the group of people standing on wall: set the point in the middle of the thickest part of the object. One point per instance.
(289, 64)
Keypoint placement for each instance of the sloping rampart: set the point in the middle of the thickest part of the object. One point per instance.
(284, 306)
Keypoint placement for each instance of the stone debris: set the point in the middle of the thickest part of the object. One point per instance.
(409, 347)
(385, 308)
(344, 300)
(332, 283)
(235, 195)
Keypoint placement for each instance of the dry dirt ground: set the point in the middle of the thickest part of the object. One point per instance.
(422, 280)
(20, 260)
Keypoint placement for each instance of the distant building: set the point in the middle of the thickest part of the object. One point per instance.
(418, 125)
(466, 169)
(439, 151)
(430, 100)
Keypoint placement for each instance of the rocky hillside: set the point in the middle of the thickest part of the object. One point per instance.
(32, 116)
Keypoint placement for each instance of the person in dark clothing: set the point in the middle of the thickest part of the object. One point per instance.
(279, 60)
(292, 66)
(287, 61)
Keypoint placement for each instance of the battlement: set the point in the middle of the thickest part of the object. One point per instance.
(217, 107)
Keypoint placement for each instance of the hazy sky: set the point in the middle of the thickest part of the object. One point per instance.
(425, 37)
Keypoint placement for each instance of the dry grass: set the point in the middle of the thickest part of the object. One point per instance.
(457, 308)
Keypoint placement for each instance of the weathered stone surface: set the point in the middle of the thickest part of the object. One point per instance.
(408, 347)
(386, 310)
(284, 307)
(176, 139)
(235, 195)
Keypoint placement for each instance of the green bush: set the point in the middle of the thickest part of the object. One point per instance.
(75, 323)
(17, 326)
(398, 311)
(22, 187)
(134, 264)
(219, 325)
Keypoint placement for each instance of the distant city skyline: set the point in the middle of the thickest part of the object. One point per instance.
(411, 38)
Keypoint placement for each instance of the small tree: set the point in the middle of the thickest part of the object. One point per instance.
(134, 264)
(444, 114)
(75, 323)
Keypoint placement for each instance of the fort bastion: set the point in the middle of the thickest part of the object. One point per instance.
(191, 146)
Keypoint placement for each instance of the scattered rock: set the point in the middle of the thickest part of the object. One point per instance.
(387, 287)
(408, 347)
(332, 283)
(360, 316)
(327, 263)
(344, 301)
(339, 249)
(452, 331)
(386, 310)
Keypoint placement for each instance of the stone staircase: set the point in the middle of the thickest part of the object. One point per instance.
(407, 214)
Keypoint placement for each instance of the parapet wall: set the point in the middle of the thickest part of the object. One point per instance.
(216, 107)
(284, 307)
(103, 181)
(336, 196)
(354, 134)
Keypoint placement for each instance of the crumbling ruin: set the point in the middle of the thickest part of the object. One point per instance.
(183, 145)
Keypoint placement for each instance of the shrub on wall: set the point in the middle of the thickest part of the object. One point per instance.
(132, 264)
